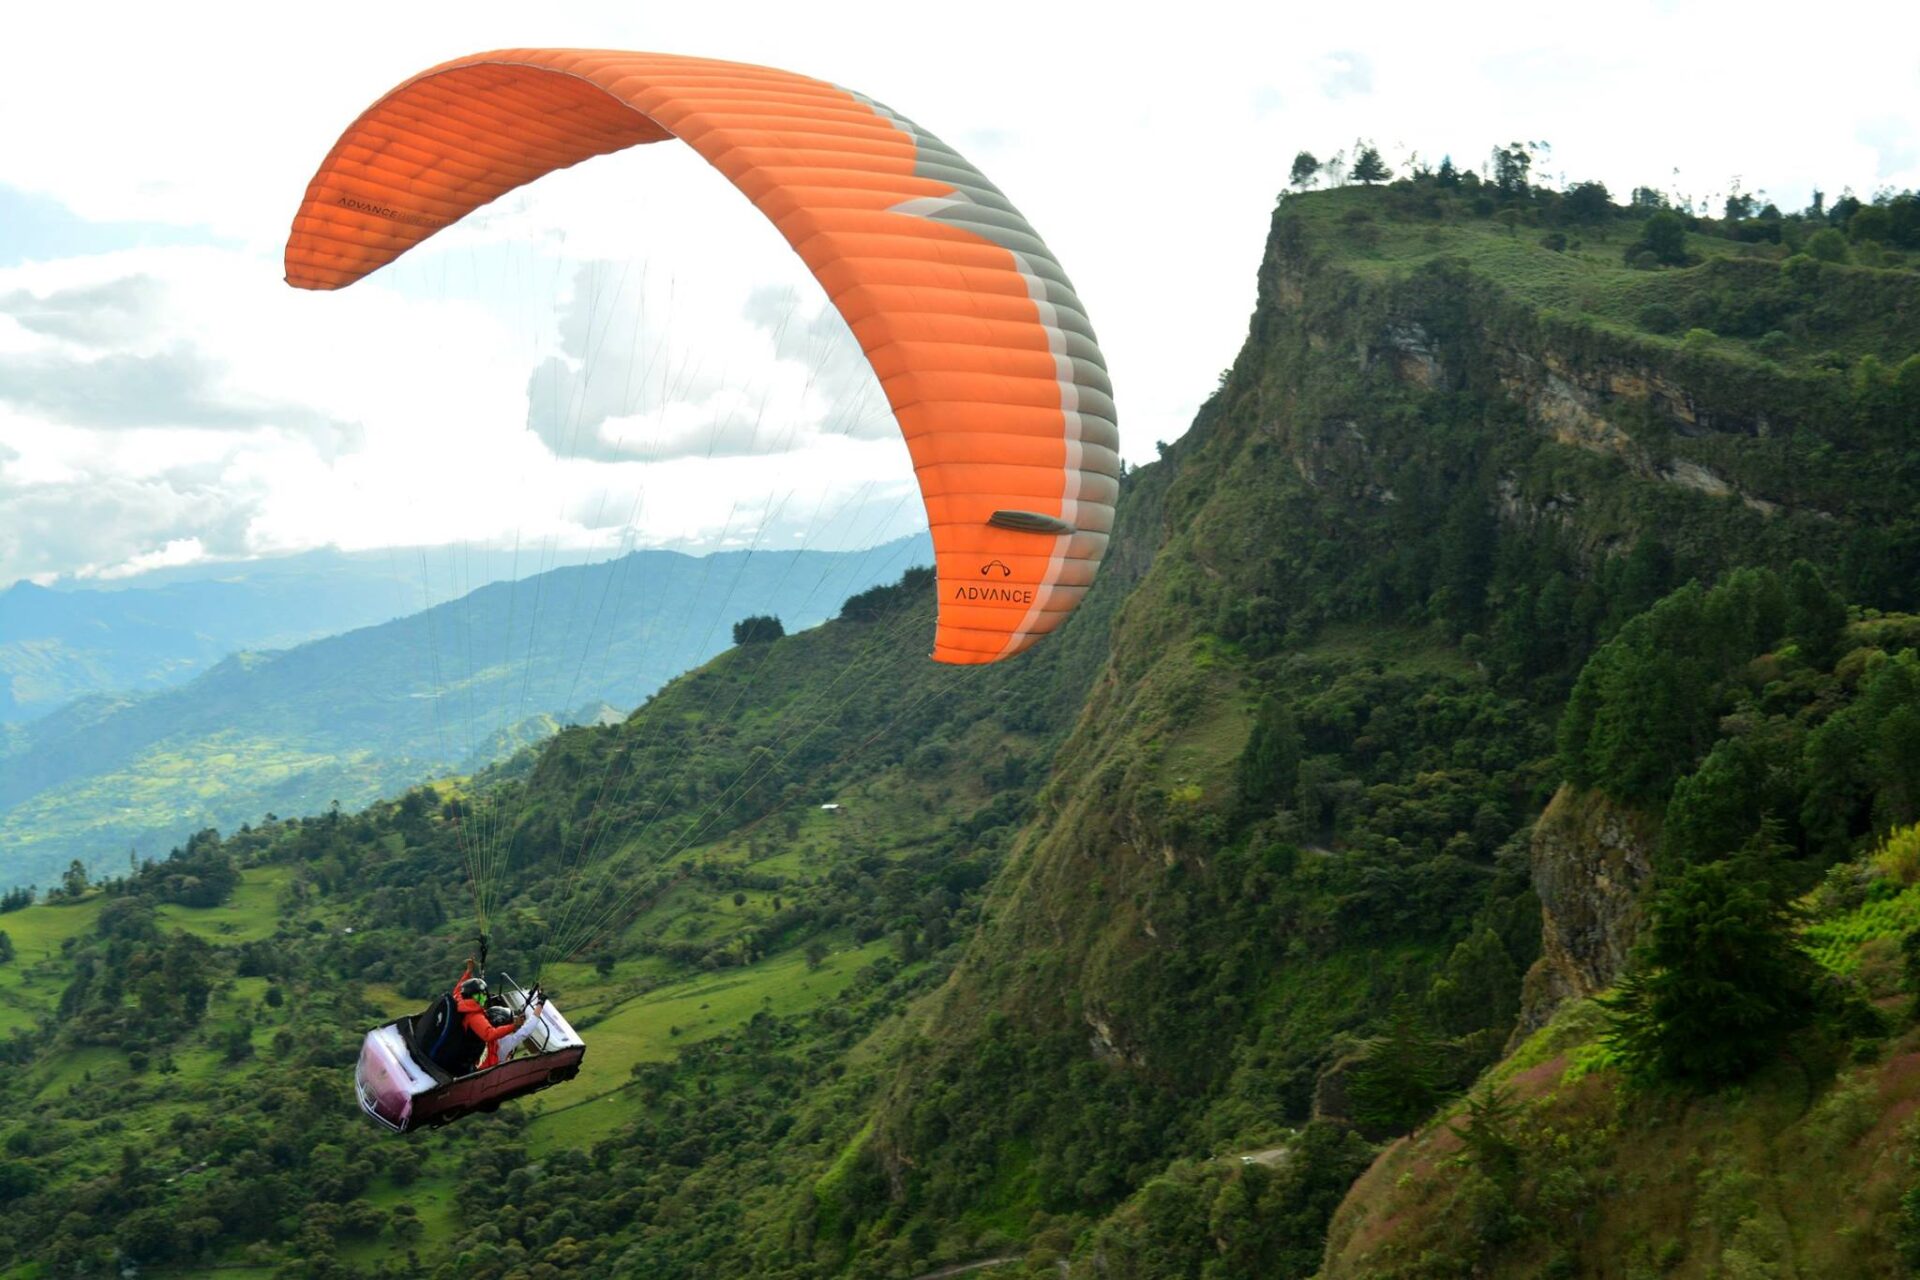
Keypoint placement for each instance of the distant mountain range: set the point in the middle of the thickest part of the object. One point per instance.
(161, 628)
(355, 716)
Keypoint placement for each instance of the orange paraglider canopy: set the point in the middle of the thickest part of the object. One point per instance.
(983, 348)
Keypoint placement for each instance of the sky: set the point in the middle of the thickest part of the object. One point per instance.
(627, 354)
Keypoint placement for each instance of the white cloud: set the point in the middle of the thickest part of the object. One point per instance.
(1895, 141)
(95, 522)
(1347, 73)
(111, 313)
(177, 551)
(632, 379)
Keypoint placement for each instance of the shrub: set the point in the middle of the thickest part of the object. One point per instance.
(1898, 858)
(1658, 317)
(1663, 237)
(1872, 223)
(1827, 246)
(1906, 1231)
(759, 629)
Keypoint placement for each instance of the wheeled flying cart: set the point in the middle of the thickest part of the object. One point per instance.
(401, 1086)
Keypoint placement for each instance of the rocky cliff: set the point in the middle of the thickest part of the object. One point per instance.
(1591, 860)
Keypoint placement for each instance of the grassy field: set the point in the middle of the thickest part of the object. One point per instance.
(251, 914)
(651, 1028)
(439, 1201)
(655, 1026)
(30, 984)
(1408, 650)
(1786, 1175)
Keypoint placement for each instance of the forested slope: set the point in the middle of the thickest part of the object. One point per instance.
(1732, 1096)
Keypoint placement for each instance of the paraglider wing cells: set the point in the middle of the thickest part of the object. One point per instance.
(984, 350)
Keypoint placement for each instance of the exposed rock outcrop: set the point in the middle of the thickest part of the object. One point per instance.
(1108, 1046)
(1592, 857)
(1416, 355)
(1582, 407)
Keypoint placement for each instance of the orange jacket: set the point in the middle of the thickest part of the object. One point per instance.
(476, 1021)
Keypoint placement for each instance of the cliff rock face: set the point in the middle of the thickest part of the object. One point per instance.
(1591, 860)
(1587, 404)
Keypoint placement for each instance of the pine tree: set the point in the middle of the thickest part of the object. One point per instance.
(1816, 618)
(1717, 983)
(1270, 766)
(1369, 168)
(1577, 721)
(1717, 807)
(1488, 1135)
(1398, 1081)
(1480, 987)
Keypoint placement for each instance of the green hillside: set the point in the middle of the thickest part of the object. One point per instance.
(1487, 614)
(357, 716)
(1756, 1111)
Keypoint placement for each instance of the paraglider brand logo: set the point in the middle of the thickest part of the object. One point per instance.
(392, 215)
(1009, 595)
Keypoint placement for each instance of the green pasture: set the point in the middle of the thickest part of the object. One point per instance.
(654, 1026)
(251, 914)
(30, 983)
(443, 1206)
